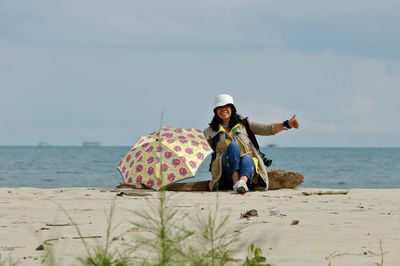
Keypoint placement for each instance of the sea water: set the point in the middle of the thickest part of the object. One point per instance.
(55, 167)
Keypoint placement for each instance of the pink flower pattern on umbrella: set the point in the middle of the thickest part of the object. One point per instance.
(192, 164)
(138, 154)
(167, 135)
(164, 167)
(158, 181)
(168, 154)
(177, 148)
(189, 150)
(183, 141)
(200, 156)
(176, 162)
(182, 171)
(150, 171)
(128, 158)
(132, 163)
(150, 183)
(139, 179)
(206, 148)
(145, 145)
(150, 149)
(130, 180)
(183, 159)
(195, 143)
(139, 168)
(171, 177)
(191, 136)
(170, 141)
(123, 169)
(127, 174)
(150, 160)
(159, 149)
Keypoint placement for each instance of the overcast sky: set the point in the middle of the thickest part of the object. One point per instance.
(106, 70)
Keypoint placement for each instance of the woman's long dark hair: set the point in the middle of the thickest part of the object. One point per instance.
(216, 121)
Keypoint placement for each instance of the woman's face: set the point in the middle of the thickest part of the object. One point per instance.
(224, 112)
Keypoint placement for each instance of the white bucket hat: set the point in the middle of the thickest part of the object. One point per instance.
(223, 99)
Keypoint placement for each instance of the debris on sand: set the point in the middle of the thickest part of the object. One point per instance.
(294, 222)
(248, 214)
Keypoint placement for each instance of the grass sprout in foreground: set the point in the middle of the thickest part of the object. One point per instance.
(214, 240)
(255, 257)
(7, 261)
(102, 255)
(166, 240)
(209, 241)
(167, 234)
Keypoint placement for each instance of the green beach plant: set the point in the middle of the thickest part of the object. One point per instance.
(369, 253)
(167, 234)
(166, 240)
(102, 255)
(7, 261)
(381, 249)
(214, 240)
(255, 257)
(209, 241)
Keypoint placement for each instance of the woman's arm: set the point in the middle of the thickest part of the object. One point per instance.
(271, 129)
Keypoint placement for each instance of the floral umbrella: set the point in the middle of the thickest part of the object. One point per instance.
(164, 157)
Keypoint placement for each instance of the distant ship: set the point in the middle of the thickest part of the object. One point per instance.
(272, 145)
(89, 143)
(43, 144)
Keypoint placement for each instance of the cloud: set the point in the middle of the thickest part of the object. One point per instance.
(378, 75)
(374, 93)
(364, 115)
(361, 27)
(108, 69)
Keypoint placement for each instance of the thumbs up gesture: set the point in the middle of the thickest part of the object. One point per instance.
(293, 122)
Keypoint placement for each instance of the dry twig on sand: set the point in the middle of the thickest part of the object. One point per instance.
(67, 224)
(325, 193)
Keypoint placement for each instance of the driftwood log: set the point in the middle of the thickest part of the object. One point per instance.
(282, 179)
(277, 179)
(325, 193)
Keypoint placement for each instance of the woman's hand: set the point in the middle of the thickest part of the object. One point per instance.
(293, 122)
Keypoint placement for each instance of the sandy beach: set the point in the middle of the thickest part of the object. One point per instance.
(341, 229)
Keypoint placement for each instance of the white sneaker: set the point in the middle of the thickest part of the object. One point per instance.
(235, 186)
(241, 187)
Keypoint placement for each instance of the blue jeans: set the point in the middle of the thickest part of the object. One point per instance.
(231, 161)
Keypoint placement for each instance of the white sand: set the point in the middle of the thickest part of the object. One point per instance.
(341, 229)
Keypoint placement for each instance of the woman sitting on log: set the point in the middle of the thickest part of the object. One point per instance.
(236, 162)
